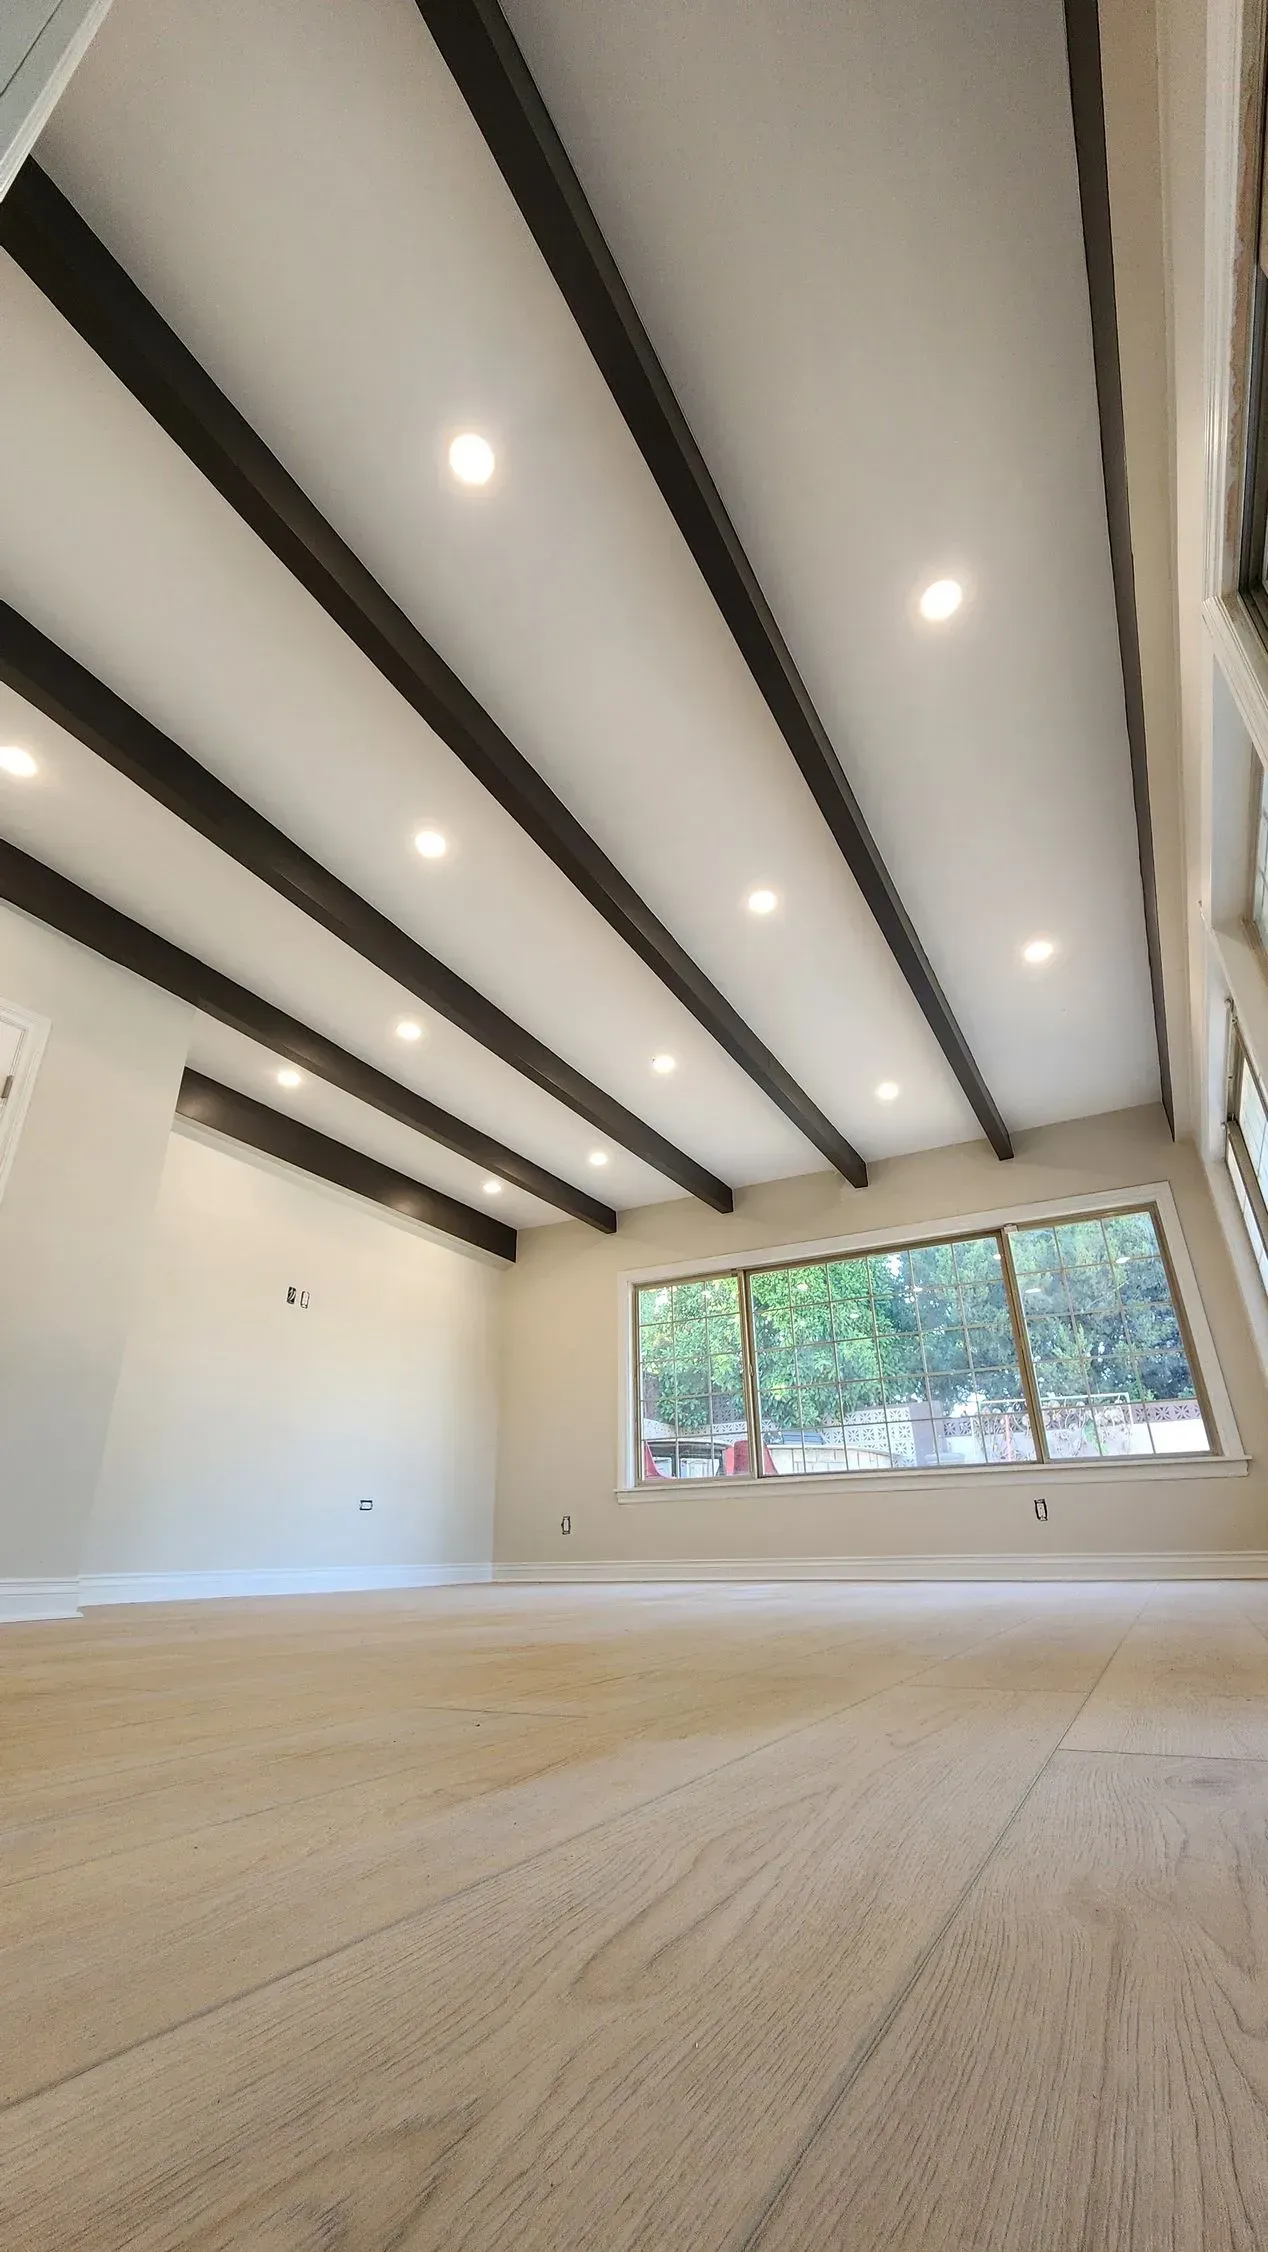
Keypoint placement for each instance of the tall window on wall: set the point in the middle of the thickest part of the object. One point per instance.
(1259, 874)
(692, 1380)
(889, 1362)
(1254, 515)
(1050, 1341)
(1246, 1151)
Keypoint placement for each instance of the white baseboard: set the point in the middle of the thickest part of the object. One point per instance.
(313, 1579)
(38, 1599)
(1196, 1564)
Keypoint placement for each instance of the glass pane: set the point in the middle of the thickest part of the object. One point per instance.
(872, 1362)
(1034, 1248)
(1079, 1241)
(1249, 1215)
(692, 1421)
(1112, 1373)
(1259, 892)
(799, 1390)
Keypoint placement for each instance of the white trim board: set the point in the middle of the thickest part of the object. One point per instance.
(314, 1579)
(38, 1599)
(1037, 1478)
(1196, 1564)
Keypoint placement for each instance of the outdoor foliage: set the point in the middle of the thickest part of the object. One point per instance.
(925, 1332)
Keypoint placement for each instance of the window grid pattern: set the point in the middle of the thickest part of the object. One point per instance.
(1252, 1117)
(1250, 1216)
(913, 1358)
(1110, 1361)
(691, 1380)
(1259, 882)
(889, 1362)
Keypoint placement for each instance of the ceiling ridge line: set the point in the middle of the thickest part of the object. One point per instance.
(483, 57)
(67, 693)
(54, 899)
(58, 251)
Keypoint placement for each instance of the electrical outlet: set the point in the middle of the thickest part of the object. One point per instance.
(565, 1524)
(1041, 1509)
(365, 1502)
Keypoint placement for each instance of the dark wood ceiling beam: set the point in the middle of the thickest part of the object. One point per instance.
(1087, 104)
(261, 1127)
(59, 252)
(53, 899)
(57, 685)
(484, 59)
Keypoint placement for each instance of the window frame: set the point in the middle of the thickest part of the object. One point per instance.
(1225, 1454)
(33, 1034)
(1252, 526)
(1237, 1153)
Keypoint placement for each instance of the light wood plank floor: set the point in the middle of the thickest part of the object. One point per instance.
(696, 1919)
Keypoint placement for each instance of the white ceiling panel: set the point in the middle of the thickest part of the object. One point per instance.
(87, 822)
(854, 235)
(415, 304)
(146, 576)
(224, 1054)
(874, 314)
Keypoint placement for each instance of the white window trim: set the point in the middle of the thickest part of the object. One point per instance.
(1230, 1460)
(35, 1032)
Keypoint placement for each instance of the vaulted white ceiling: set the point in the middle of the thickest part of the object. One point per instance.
(853, 234)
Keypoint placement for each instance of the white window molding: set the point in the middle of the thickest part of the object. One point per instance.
(19, 1063)
(1228, 1451)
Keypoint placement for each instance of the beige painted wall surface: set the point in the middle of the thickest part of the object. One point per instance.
(74, 1223)
(561, 1376)
(246, 1430)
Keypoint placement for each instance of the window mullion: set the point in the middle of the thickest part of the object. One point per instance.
(1029, 1382)
(748, 1353)
(1249, 1177)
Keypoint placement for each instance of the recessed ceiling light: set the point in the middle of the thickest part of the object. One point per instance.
(289, 1078)
(471, 458)
(431, 844)
(16, 761)
(664, 1064)
(493, 1188)
(762, 902)
(1038, 950)
(887, 1092)
(598, 1157)
(408, 1030)
(941, 600)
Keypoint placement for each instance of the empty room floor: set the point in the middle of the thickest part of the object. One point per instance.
(705, 1917)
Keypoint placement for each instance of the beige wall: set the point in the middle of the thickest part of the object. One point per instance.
(74, 1222)
(246, 1430)
(561, 1379)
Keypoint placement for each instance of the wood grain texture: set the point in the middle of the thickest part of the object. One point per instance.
(564, 1917)
(1191, 1677)
(1083, 2062)
(618, 2042)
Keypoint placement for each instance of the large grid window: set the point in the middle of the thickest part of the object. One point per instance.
(889, 1362)
(692, 1380)
(1045, 1342)
(1246, 1152)
(1111, 1366)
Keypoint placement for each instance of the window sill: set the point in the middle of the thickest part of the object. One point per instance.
(836, 1484)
